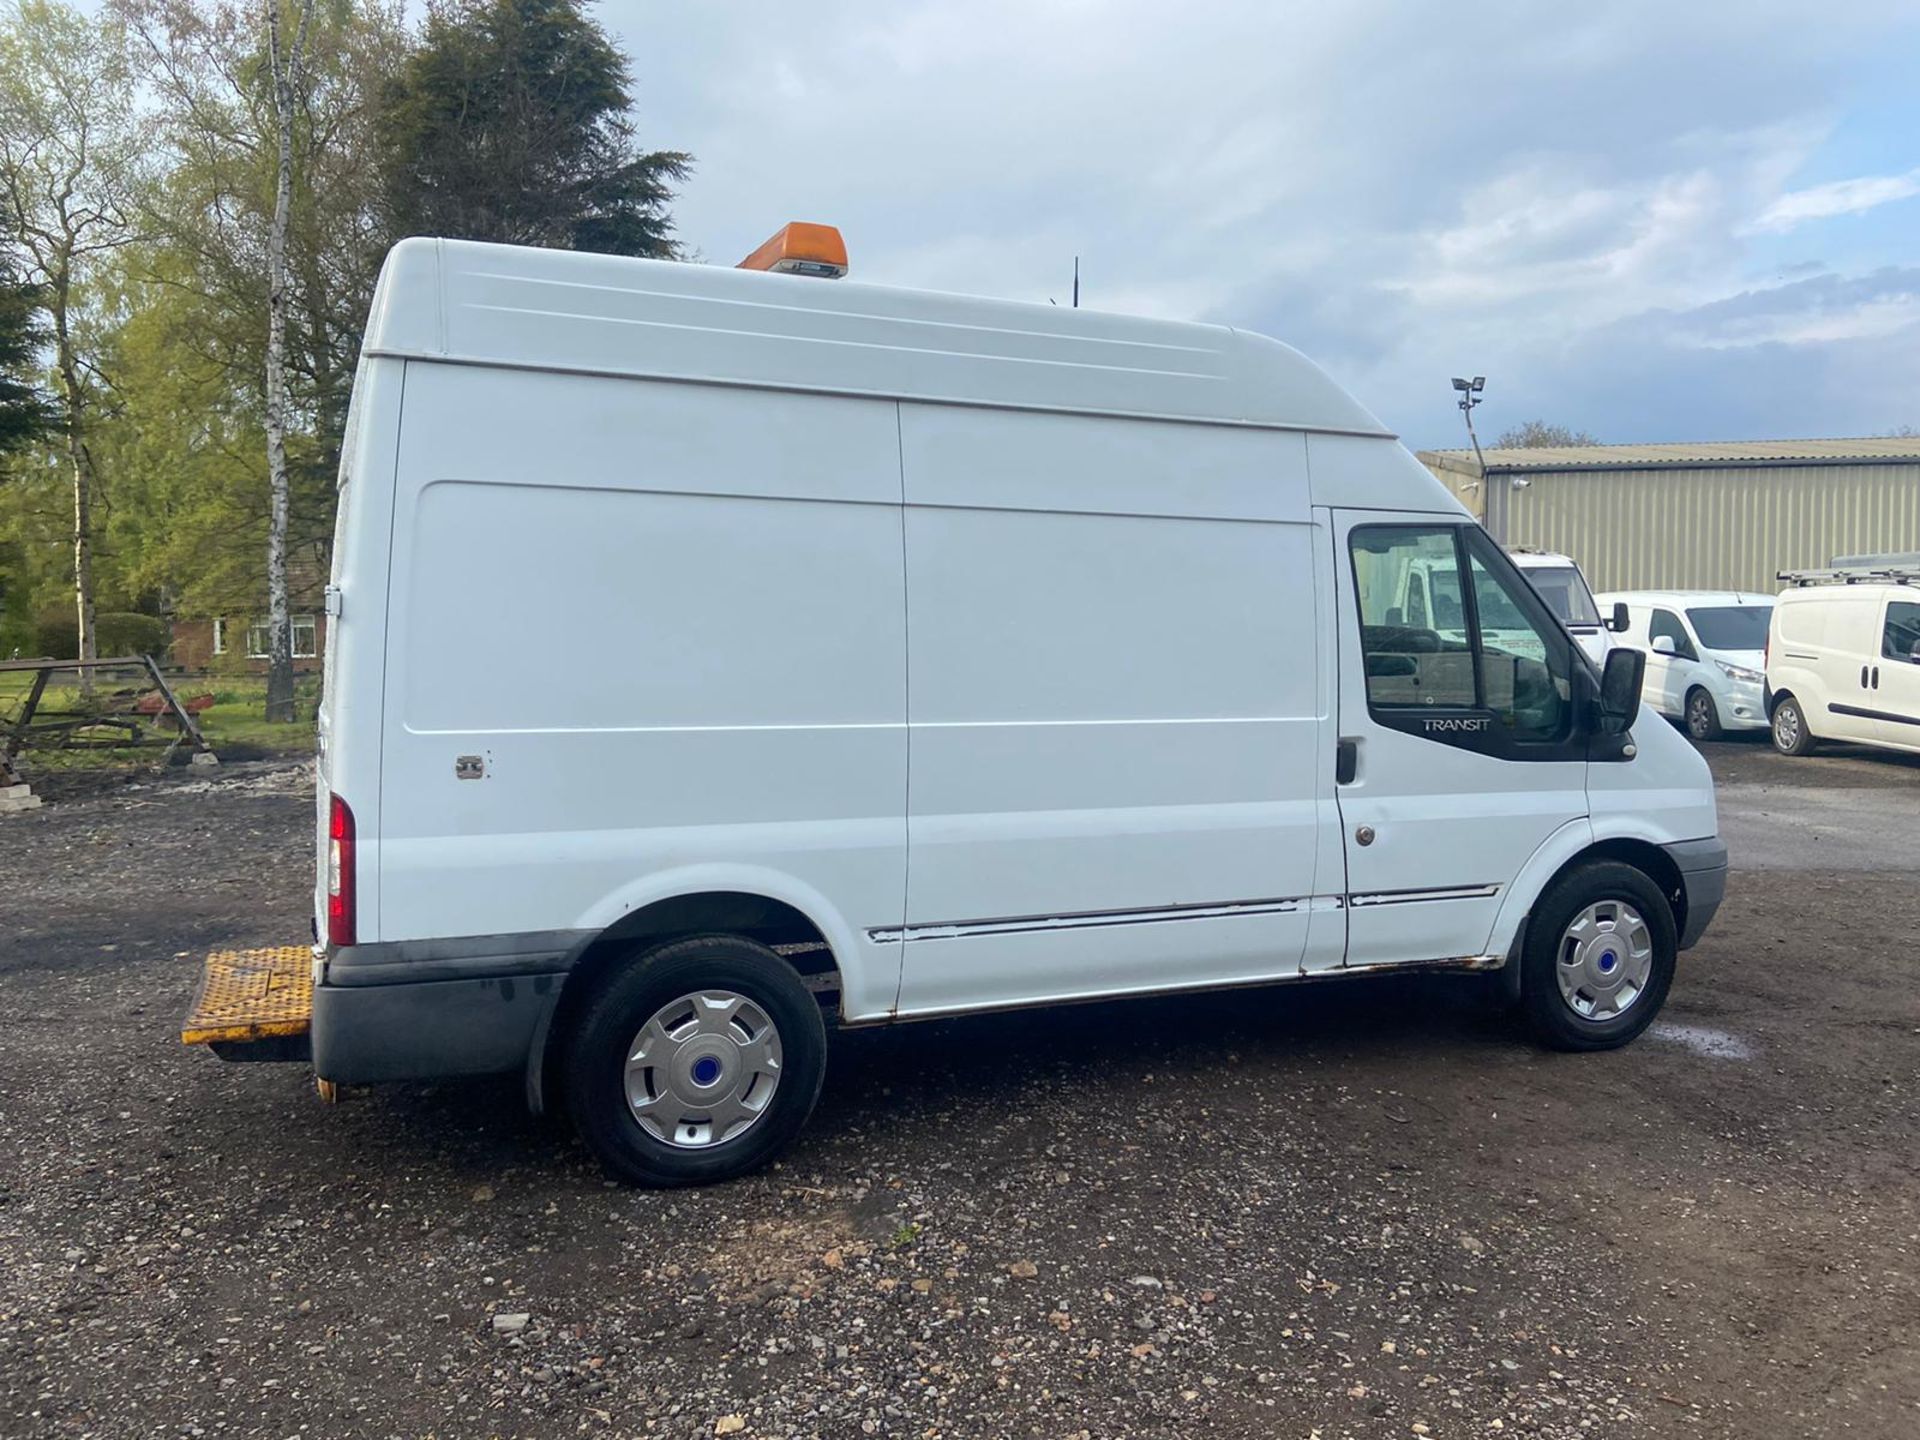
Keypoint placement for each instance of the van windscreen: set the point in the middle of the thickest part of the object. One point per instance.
(1731, 627)
(1566, 594)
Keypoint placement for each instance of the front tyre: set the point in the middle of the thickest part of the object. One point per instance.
(1599, 957)
(1790, 733)
(697, 1063)
(1703, 717)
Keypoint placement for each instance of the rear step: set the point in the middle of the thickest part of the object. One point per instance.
(254, 1004)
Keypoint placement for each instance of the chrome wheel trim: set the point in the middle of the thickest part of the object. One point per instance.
(1605, 960)
(1786, 725)
(703, 1069)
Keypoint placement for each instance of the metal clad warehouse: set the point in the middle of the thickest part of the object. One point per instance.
(1696, 516)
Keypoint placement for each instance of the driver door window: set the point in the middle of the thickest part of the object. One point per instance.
(1490, 653)
(1900, 638)
(1666, 623)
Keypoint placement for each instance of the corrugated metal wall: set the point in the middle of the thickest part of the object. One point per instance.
(1698, 529)
(1467, 489)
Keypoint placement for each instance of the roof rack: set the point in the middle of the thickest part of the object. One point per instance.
(1897, 573)
(1897, 560)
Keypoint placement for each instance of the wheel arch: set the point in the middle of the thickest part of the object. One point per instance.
(1573, 845)
(808, 936)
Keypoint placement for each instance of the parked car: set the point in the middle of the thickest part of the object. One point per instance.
(1706, 655)
(1564, 587)
(1843, 656)
(879, 655)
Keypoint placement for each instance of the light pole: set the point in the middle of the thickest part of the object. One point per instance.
(1469, 397)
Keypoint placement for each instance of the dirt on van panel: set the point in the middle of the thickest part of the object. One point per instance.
(1345, 1209)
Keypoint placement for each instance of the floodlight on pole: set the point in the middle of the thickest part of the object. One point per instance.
(1469, 391)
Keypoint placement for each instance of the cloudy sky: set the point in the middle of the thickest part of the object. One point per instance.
(1673, 220)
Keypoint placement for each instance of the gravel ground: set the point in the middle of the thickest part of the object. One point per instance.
(1335, 1210)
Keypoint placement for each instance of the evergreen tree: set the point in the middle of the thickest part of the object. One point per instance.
(511, 123)
(26, 414)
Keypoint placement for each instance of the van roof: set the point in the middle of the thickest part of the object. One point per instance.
(470, 303)
(1682, 599)
(1858, 590)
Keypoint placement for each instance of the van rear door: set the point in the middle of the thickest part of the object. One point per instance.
(1461, 750)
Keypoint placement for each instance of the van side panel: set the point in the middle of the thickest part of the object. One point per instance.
(1116, 729)
(641, 630)
(348, 738)
(1827, 638)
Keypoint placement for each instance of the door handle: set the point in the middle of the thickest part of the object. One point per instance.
(1346, 762)
(1876, 677)
(1863, 677)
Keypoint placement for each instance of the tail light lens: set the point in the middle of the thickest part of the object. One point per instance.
(340, 873)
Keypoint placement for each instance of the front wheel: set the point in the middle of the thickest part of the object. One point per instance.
(1703, 717)
(1599, 957)
(1790, 733)
(698, 1062)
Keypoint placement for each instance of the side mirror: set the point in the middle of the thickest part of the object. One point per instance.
(1621, 680)
(1913, 656)
(1663, 645)
(1617, 621)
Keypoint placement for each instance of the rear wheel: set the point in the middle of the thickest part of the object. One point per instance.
(1703, 717)
(1790, 733)
(1599, 957)
(698, 1062)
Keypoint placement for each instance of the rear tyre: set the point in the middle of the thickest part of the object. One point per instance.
(1703, 717)
(1790, 733)
(1598, 959)
(697, 1063)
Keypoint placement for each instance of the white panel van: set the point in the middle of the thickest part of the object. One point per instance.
(1561, 584)
(1843, 656)
(721, 657)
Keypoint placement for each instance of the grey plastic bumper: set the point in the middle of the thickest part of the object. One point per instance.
(1703, 875)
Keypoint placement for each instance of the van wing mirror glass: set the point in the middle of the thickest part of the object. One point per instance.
(1620, 685)
(1617, 621)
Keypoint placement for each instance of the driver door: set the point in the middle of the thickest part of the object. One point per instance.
(1669, 676)
(1462, 752)
(1897, 692)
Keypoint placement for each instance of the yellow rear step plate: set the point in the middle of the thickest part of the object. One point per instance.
(249, 995)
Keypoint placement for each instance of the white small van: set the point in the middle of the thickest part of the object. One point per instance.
(1843, 655)
(1706, 655)
(720, 657)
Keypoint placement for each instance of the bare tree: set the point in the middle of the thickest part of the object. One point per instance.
(1542, 435)
(69, 175)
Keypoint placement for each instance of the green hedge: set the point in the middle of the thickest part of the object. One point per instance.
(116, 632)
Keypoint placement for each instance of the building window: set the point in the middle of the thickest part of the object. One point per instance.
(305, 639)
(219, 637)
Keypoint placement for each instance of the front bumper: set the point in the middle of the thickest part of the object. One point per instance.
(1744, 707)
(1703, 879)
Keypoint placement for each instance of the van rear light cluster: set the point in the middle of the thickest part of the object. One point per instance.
(340, 872)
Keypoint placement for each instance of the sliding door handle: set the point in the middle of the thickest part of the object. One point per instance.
(1346, 762)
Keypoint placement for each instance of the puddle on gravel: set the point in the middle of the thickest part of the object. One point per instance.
(1714, 1044)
